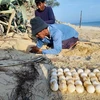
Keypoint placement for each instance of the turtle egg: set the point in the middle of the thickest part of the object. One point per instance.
(62, 77)
(72, 70)
(53, 77)
(74, 73)
(79, 88)
(98, 74)
(86, 83)
(62, 81)
(87, 71)
(95, 70)
(91, 74)
(71, 88)
(93, 78)
(54, 86)
(97, 88)
(78, 82)
(66, 70)
(52, 80)
(99, 79)
(53, 74)
(95, 83)
(76, 78)
(63, 87)
(70, 81)
(60, 70)
(90, 89)
(54, 70)
(83, 74)
(80, 71)
(68, 77)
(60, 74)
(68, 74)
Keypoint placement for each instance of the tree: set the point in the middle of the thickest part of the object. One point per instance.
(52, 3)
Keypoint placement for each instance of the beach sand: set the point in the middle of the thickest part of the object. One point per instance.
(13, 53)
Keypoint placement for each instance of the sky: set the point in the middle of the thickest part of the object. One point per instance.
(69, 10)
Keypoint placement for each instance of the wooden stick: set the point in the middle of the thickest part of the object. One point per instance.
(7, 11)
(5, 23)
(10, 20)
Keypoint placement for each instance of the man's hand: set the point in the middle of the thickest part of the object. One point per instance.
(35, 49)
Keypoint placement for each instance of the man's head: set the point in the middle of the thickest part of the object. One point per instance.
(40, 4)
(38, 26)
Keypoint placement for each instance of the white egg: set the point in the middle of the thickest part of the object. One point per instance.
(83, 74)
(60, 74)
(78, 82)
(79, 88)
(63, 88)
(91, 74)
(70, 81)
(76, 78)
(68, 77)
(90, 89)
(86, 83)
(54, 70)
(60, 70)
(97, 88)
(68, 74)
(74, 73)
(93, 78)
(80, 71)
(95, 71)
(98, 74)
(71, 88)
(72, 70)
(53, 74)
(53, 77)
(87, 71)
(99, 79)
(95, 83)
(54, 86)
(66, 70)
(53, 80)
(62, 81)
(85, 79)
(62, 77)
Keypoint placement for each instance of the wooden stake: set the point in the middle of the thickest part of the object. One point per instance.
(80, 19)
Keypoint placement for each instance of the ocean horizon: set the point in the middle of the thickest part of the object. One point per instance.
(94, 24)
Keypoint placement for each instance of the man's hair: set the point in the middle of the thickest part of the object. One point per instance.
(39, 1)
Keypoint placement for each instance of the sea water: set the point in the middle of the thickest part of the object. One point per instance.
(95, 24)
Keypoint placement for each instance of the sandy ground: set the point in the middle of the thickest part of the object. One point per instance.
(14, 55)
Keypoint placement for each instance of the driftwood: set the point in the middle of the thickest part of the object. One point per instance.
(5, 23)
(12, 12)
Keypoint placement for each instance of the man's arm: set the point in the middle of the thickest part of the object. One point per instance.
(57, 44)
(35, 49)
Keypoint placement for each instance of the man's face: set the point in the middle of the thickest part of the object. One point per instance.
(42, 34)
(41, 6)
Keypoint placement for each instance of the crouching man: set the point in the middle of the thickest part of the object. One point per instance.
(56, 36)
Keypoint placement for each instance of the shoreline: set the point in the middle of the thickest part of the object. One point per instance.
(87, 26)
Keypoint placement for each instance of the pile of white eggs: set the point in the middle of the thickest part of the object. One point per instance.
(71, 80)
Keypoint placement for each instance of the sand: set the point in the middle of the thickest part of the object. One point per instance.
(14, 53)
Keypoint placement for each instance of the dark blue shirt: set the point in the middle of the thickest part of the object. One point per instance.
(47, 15)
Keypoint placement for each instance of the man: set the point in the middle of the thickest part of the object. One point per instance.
(44, 12)
(57, 36)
